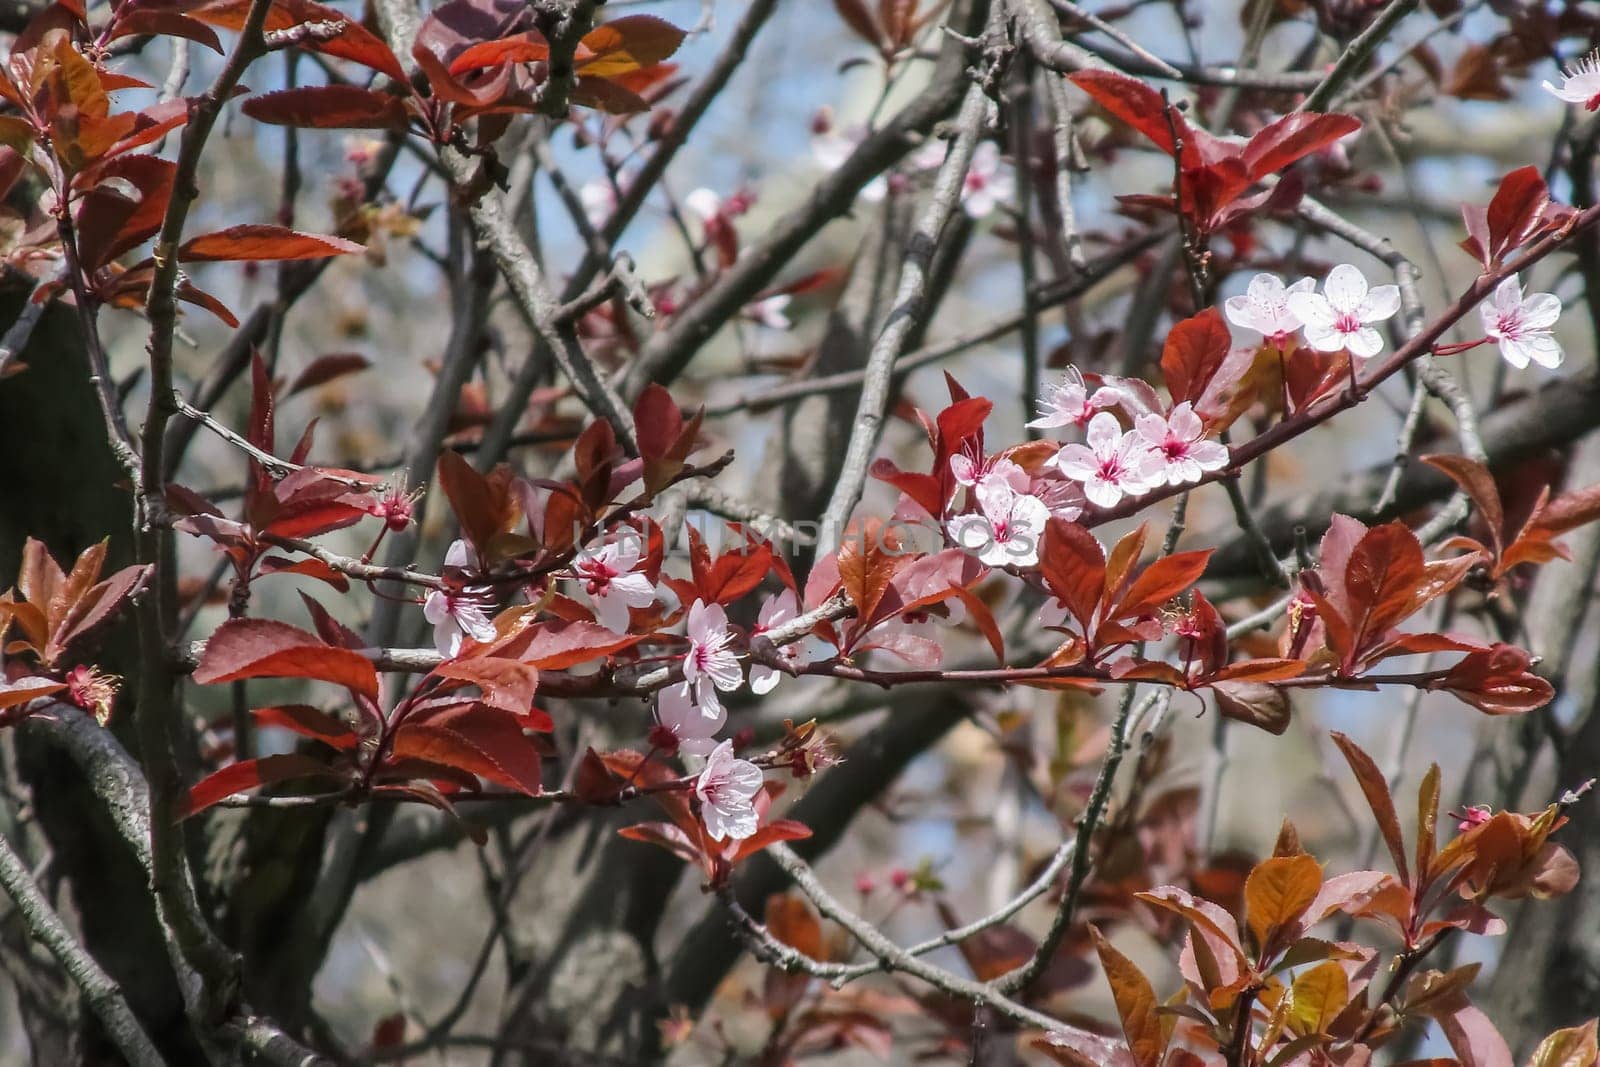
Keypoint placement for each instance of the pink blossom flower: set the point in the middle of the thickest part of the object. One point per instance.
(612, 583)
(693, 729)
(455, 611)
(1341, 316)
(831, 146)
(1108, 466)
(710, 664)
(1008, 526)
(1521, 325)
(986, 185)
(1069, 402)
(396, 507)
(1177, 452)
(775, 611)
(1264, 307)
(1472, 817)
(1580, 84)
(727, 788)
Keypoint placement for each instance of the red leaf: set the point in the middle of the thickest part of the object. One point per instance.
(238, 777)
(309, 568)
(527, 47)
(485, 743)
(505, 683)
(353, 41)
(1294, 137)
(256, 241)
(1073, 565)
(1385, 566)
(1193, 353)
(483, 504)
(1515, 210)
(1132, 101)
(149, 22)
(263, 648)
(1160, 582)
(658, 422)
(557, 645)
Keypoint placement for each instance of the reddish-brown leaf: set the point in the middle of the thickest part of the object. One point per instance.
(1476, 481)
(256, 241)
(1256, 703)
(1073, 565)
(352, 41)
(25, 689)
(328, 107)
(1136, 1003)
(859, 18)
(1385, 567)
(1376, 789)
(627, 44)
(248, 774)
(505, 683)
(1161, 581)
(1277, 893)
(479, 741)
(1195, 349)
(791, 920)
(325, 369)
(264, 648)
(308, 721)
(1574, 1046)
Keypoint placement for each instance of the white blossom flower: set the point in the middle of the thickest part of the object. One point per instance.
(1007, 528)
(1108, 466)
(612, 583)
(1264, 307)
(705, 203)
(710, 664)
(599, 199)
(455, 611)
(1521, 325)
(775, 611)
(1580, 84)
(1176, 451)
(1069, 402)
(831, 146)
(1341, 316)
(727, 788)
(769, 312)
(694, 729)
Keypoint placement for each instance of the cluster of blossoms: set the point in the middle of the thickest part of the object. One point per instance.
(987, 185)
(1345, 314)
(690, 714)
(1013, 505)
